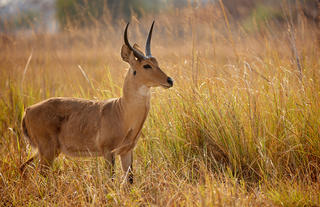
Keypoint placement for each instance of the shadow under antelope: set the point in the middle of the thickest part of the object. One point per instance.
(80, 127)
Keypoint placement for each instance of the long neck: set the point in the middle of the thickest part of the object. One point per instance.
(136, 97)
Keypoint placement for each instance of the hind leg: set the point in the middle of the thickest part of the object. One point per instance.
(22, 167)
(47, 153)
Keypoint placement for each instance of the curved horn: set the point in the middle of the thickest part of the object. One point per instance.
(136, 53)
(148, 44)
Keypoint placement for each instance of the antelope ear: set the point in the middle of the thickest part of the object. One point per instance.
(137, 47)
(127, 54)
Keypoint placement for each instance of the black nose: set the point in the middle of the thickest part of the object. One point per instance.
(170, 81)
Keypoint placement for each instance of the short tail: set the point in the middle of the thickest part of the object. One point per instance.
(27, 136)
(25, 131)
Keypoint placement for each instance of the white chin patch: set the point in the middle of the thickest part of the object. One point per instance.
(144, 91)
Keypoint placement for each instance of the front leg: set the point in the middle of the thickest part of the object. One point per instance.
(126, 162)
(110, 163)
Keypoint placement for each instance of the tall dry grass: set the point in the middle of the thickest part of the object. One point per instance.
(240, 127)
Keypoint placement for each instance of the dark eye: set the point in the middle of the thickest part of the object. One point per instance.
(147, 66)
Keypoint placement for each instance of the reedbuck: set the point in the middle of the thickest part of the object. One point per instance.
(79, 127)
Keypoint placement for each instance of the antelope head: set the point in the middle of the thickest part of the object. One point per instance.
(144, 67)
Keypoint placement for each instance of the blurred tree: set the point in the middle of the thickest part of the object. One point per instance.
(23, 20)
(84, 12)
(79, 12)
(240, 8)
(273, 8)
(311, 10)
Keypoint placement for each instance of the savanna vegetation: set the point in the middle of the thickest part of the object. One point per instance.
(240, 127)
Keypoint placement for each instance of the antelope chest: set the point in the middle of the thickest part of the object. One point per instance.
(134, 128)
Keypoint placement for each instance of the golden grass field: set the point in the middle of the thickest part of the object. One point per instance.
(240, 127)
